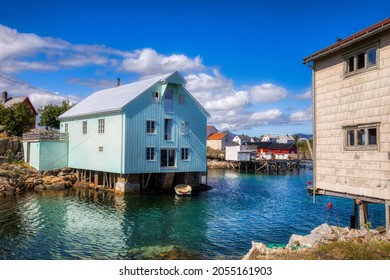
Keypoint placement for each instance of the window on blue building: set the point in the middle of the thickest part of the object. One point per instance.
(185, 153)
(185, 128)
(150, 155)
(150, 127)
(168, 157)
(168, 129)
(168, 100)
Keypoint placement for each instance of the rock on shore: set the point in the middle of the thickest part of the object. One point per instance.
(322, 234)
(16, 178)
(220, 164)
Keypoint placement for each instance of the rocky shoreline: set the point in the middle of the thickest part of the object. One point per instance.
(16, 178)
(323, 234)
(221, 164)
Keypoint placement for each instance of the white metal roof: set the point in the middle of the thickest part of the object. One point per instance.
(112, 99)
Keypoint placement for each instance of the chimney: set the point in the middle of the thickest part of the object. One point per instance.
(118, 82)
(4, 96)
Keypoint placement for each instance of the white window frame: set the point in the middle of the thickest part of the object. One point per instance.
(66, 127)
(185, 154)
(101, 126)
(361, 140)
(150, 127)
(84, 127)
(167, 159)
(168, 134)
(150, 153)
(184, 128)
(155, 96)
(168, 102)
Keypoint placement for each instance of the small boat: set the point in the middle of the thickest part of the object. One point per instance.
(183, 189)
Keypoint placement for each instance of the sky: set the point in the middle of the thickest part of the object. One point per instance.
(242, 59)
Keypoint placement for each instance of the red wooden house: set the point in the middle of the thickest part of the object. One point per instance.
(9, 101)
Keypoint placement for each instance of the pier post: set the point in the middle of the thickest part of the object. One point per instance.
(387, 214)
(363, 214)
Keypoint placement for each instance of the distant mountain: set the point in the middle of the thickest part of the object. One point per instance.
(301, 135)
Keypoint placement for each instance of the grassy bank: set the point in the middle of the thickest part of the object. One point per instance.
(338, 250)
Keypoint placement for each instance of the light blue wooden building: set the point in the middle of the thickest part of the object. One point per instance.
(45, 150)
(147, 134)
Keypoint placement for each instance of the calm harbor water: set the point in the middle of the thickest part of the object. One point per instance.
(217, 224)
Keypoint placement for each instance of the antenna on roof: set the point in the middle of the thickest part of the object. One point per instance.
(118, 82)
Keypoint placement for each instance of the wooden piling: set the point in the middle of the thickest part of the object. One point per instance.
(387, 214)
(363, 214)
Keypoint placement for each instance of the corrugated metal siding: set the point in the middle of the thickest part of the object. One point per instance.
(136, 138)
(84, 149)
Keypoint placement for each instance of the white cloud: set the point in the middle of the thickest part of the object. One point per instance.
(300, 116)
(267, 93)
(149, 62)
(24, 51)
(14, 44)
(305, 95)
(269, 115)
(37, 97)
(235, 109)
(231, 102)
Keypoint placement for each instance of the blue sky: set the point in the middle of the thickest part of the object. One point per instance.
(242, 59)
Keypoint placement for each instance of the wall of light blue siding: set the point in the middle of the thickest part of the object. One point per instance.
(47, 155)
(84, 148)
(33, 150)
(136, 139)
(53, 155)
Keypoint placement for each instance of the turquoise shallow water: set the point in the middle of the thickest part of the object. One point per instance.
(217, 224)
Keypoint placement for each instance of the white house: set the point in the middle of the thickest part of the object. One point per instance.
(269, 138)
(286, 139)
(242, 139)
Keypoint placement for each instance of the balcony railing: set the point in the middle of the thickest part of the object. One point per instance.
(45, 135)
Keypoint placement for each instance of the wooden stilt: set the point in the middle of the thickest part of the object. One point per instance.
(147, 181)
(96, 179)
(387, 214)
(363, 214)
(355, 214)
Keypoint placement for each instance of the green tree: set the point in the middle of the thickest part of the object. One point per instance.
(51, 112)
(16, 119)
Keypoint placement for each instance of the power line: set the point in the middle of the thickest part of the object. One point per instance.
(33, 87)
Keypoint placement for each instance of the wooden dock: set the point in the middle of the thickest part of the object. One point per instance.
(267, 166)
